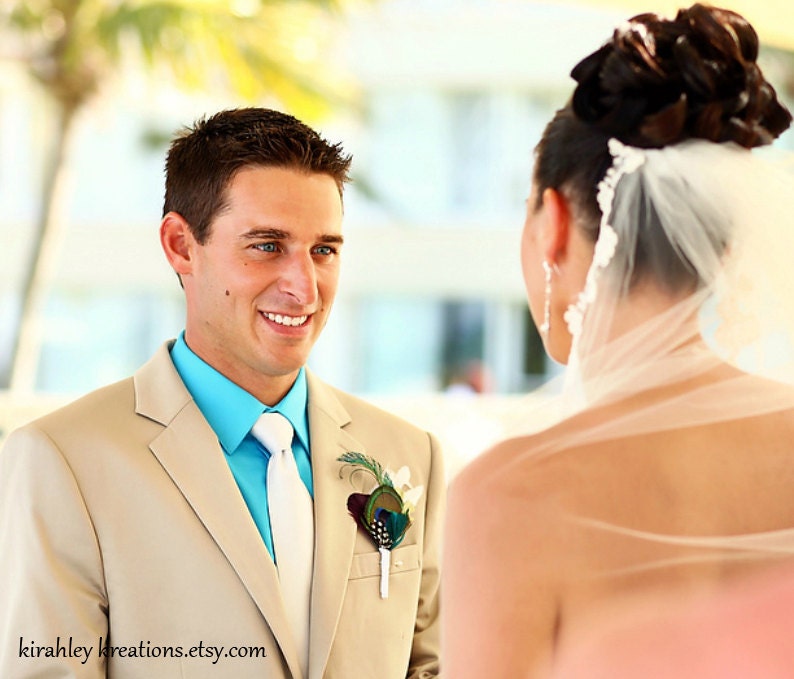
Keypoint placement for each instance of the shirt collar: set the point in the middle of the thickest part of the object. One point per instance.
(230, 410)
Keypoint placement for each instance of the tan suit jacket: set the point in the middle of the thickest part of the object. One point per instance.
(122, 525)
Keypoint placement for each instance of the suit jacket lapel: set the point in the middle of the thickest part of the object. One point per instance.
(335, 528)
(190, 453)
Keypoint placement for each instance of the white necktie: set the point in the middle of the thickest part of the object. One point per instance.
(292, 525)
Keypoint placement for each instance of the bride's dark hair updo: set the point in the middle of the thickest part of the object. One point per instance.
(659, 82)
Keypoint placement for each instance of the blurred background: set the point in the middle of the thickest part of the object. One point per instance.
(439, 101)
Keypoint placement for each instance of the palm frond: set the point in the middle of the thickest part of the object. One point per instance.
(270, 54)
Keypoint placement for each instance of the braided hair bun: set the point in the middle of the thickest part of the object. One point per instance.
(661, 81)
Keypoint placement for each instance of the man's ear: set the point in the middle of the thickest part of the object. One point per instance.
(178, 243)
(556, 227)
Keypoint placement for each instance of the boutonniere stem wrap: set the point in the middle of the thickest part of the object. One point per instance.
(385, 513)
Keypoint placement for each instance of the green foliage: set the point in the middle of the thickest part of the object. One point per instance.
(252, 49)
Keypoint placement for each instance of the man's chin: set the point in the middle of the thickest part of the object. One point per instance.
(283, 368)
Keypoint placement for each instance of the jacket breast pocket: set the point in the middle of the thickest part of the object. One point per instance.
(367, 565)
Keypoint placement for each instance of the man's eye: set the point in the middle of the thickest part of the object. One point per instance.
(324, 250)
(266, 247)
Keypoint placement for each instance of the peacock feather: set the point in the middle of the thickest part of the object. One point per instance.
(382, 513)
(371, 465)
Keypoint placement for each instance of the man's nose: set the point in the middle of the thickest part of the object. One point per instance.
(299, 279)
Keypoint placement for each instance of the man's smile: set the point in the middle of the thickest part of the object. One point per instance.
(283, 319)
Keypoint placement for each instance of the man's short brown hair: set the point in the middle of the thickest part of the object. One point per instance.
(204, 158)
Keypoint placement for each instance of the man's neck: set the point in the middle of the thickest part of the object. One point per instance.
(268, 389)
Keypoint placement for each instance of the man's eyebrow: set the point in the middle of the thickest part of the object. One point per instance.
(270, 234)
(332, 239)
(280, 234)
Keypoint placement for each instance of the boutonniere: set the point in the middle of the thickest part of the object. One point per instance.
(385, 513)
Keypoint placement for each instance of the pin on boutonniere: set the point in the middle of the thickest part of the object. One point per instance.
(385, 513)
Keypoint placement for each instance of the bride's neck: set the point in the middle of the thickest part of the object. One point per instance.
(647, 303)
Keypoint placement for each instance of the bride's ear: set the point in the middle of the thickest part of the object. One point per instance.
(556, 227)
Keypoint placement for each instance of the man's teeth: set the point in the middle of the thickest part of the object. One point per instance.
(292, 321)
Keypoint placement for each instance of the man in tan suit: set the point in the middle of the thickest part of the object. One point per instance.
(135, 524)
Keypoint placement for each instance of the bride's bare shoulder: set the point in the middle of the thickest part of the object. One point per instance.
(524, 461)
(598, 446)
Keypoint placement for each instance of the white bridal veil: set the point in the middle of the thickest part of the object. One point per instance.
(728, 213)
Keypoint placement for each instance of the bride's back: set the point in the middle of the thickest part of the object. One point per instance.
(654, 508)
(569, 531)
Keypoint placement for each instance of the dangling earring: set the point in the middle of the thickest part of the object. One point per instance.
(544, 328)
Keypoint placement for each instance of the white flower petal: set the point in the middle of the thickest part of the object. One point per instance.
(411, 496)
(401, 478)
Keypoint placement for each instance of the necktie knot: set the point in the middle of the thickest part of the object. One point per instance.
(273, 431)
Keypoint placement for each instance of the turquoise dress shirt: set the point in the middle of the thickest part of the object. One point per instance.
(231, 412)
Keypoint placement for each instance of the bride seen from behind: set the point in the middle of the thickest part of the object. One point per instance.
(669, 468)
